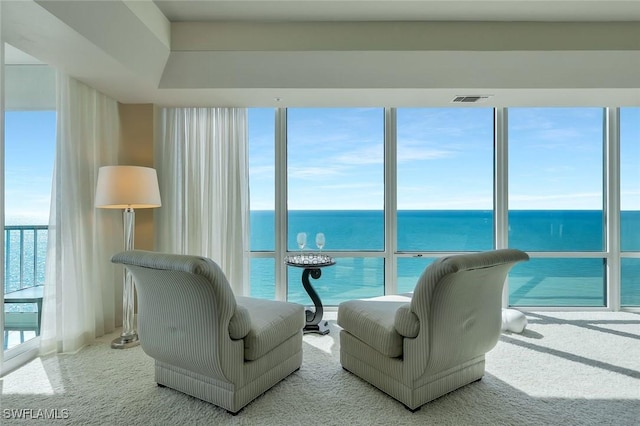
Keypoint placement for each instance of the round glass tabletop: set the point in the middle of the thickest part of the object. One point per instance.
(309, 260)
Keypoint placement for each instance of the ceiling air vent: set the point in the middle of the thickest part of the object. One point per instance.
(470, 99)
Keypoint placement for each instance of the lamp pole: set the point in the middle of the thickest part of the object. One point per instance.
(129, 337)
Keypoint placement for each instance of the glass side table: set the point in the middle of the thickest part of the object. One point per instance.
(311, 263)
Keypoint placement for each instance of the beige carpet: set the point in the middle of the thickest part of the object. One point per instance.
(565, 369)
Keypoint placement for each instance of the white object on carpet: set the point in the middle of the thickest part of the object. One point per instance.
(513, 320)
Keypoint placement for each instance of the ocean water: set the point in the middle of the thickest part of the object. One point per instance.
(539, 282)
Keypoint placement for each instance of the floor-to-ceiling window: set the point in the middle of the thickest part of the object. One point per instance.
(392, 189)
(556, 206)
(29, 144)
(444, 185)
(630, 206)
(29, 147)
(262, 200)
(335, 186)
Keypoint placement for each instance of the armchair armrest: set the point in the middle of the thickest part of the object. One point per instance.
(240, 323)
(406, 322)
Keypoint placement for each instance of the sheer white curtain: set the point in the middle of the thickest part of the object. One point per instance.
(201, 159)
(82, 287)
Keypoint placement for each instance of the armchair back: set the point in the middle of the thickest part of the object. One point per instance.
(458, 302)
(185, 305)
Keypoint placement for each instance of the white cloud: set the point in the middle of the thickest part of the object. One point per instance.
(414, 151)
(465, 202)
(349, 186)
(568, 201)
(630, 200)
(313, 172)
(368, 155)
(262, 172)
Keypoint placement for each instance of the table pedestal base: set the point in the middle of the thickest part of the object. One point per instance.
(312, 264)
(321, 328)
(314, 318)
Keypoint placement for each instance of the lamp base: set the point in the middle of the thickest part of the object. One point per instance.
(125, 342)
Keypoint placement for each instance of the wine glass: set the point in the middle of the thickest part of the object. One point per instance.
(301, 239)
(320, 240)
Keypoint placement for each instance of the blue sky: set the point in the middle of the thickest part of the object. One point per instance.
(445, 161)
(630, 158)
(336, 159)
(30, 140)
(555, 158)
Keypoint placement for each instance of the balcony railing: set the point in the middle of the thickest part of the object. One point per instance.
(25, 254)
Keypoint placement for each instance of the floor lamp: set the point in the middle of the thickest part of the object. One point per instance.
(127, 188)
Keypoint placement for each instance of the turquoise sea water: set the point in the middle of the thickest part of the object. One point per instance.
(539, 282)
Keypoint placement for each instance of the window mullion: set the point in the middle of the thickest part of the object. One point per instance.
(501, 187)
(281, 203)
(612, 204)
(390, 202)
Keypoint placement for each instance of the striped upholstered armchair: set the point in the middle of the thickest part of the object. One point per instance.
(206, 342)
(421, 346)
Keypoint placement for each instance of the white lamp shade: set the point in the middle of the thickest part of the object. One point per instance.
(121, 187)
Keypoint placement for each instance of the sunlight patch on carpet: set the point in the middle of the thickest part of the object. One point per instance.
(567, 356)
(319, 342)
(32, 379)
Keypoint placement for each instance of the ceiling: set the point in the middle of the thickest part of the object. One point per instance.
(336, 53)
(399, 10)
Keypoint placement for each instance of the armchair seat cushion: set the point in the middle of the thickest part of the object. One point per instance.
(373, 322)
(272, 322)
